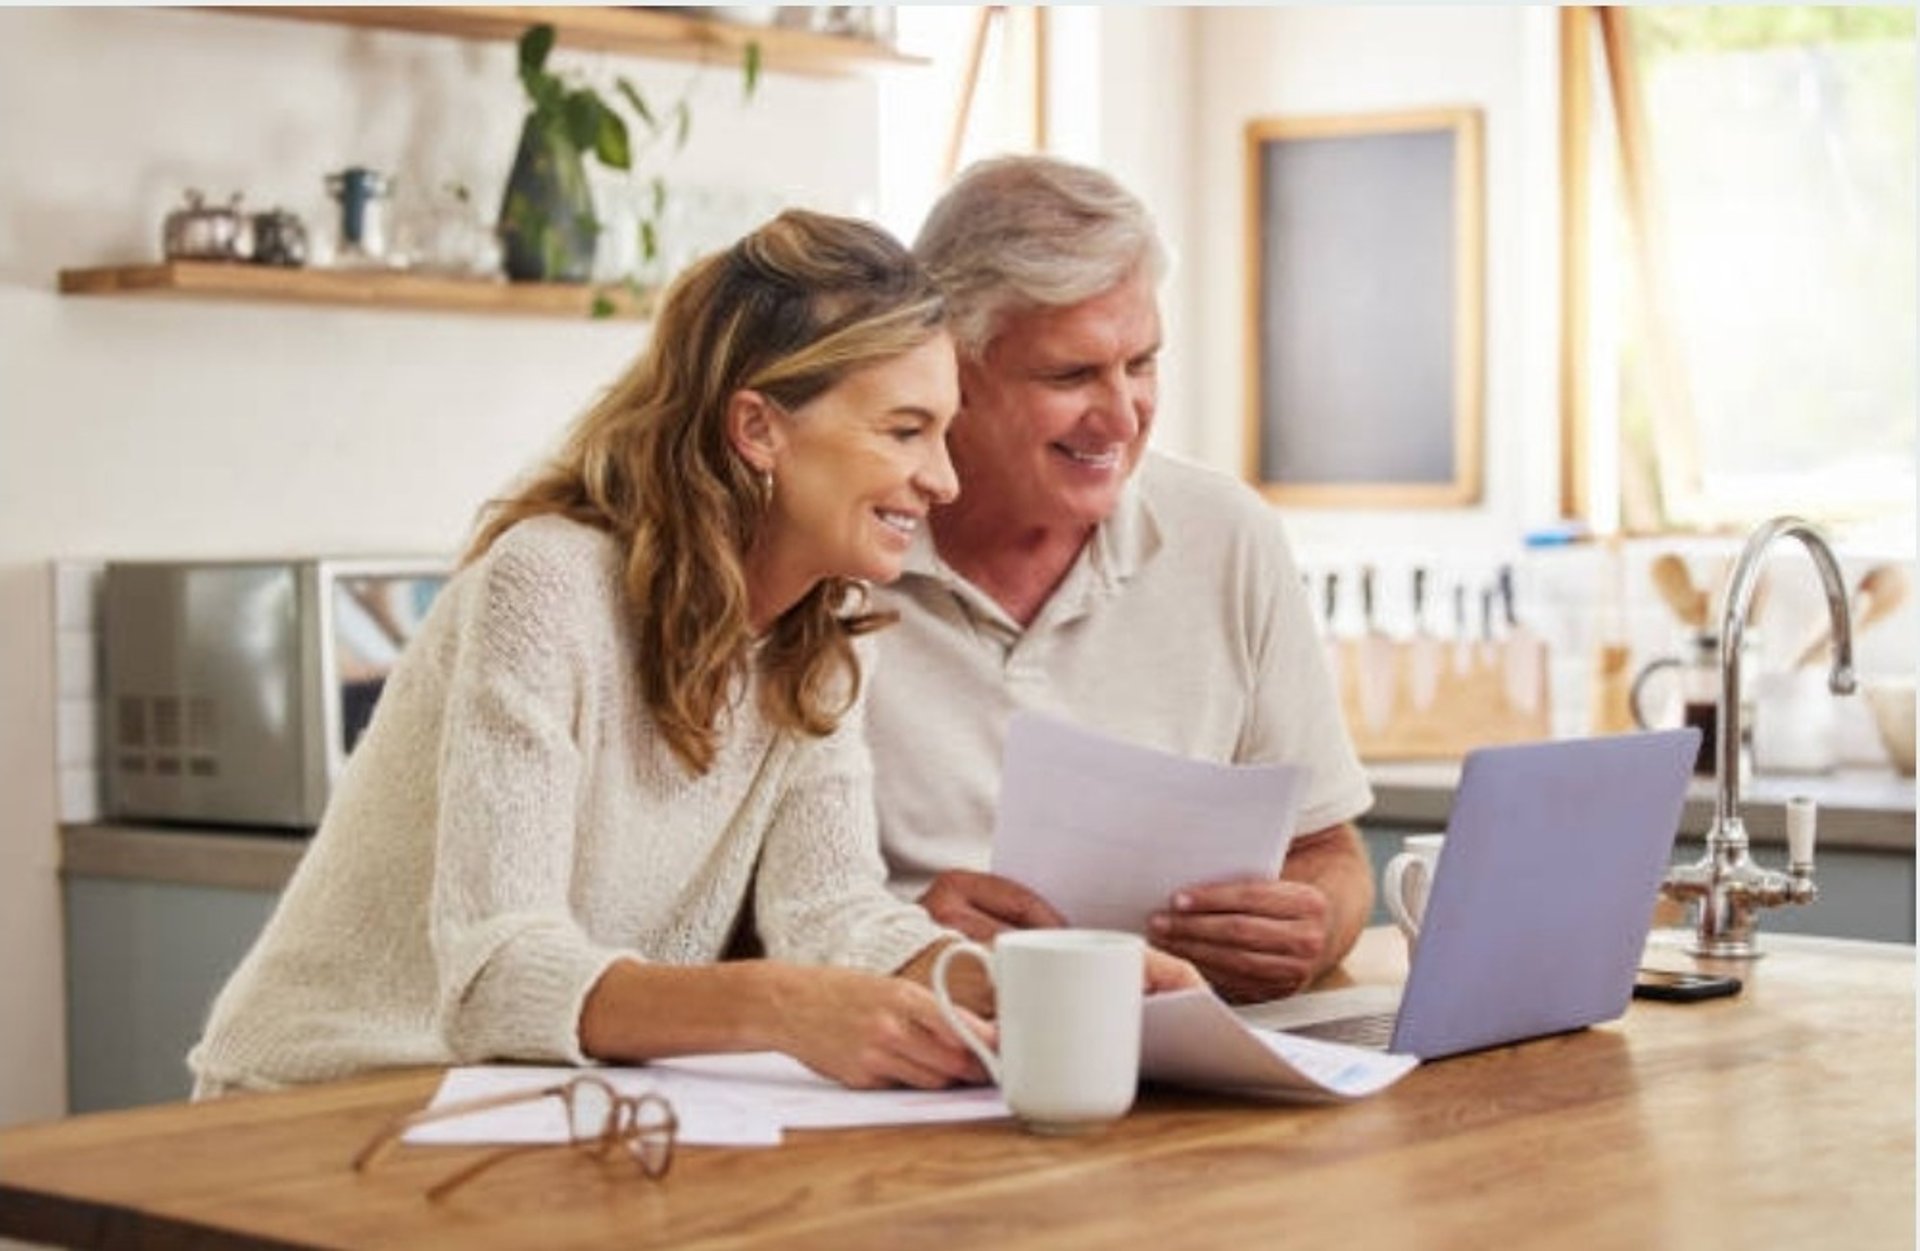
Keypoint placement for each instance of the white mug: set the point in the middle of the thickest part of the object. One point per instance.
(1408, 880)
(1069, 1005)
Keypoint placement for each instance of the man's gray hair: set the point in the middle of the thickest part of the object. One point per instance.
(1021, 232)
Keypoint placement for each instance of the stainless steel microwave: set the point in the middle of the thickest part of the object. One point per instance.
(233, 690)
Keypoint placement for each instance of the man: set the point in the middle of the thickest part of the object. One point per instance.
(1082, 575)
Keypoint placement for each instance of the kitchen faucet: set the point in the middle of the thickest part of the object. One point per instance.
(1728, 886)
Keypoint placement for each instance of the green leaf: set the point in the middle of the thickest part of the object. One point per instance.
(682, 123)
(535, 44)
(602, 306)
(659, 188)
(583, 110)
(752, 67)
(610, 142)
(649, 242)
(637, 101)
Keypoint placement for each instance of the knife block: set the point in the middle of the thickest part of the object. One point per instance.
(1428, 699)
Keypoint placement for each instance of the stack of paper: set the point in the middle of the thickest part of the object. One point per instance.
(721, 1101)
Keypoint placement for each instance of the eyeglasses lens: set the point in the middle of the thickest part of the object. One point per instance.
(649, 1133)
(589, 1111)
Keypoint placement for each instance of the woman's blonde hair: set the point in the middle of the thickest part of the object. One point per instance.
(788, 312)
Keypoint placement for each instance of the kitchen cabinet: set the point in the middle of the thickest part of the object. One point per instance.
(144, 961)
(156, 918)
(631, 31)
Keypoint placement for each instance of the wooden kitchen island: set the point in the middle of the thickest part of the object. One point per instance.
(1780, 1118)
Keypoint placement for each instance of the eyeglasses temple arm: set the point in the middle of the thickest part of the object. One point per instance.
(453, 1181)
(384, 1141)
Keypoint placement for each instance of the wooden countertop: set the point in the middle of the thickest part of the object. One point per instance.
(1783, 1117)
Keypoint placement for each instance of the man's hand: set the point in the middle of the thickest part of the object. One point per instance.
(1254, 939)
(1262, 938)
(981, 905)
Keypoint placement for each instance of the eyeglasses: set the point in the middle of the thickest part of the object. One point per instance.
(598, 1118)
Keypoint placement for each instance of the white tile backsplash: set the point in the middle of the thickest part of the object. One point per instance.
(78, 664)
(79, 795)
(1579, 596)
(76, 642)
(78, 728)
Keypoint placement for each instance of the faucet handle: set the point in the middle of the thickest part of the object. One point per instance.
(1800, 822)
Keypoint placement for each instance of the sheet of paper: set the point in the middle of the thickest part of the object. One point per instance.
(708, 1117)
(1106, 831)
(721, 1100)
(801, 1099)
(1192, 1038)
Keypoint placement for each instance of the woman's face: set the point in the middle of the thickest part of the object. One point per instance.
(857, 468)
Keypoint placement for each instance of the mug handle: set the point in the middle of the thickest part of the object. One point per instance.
(944, 1001)
(1639, 684)
(1393, 885)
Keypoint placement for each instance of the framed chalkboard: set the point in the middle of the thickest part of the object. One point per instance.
(1364, 308)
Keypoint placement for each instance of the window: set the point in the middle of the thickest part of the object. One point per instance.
(983, 94)
(1740, 246)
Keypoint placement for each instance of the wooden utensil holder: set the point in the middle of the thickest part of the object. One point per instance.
(1468, 705)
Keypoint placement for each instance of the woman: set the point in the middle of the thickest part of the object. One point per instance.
(636, 700)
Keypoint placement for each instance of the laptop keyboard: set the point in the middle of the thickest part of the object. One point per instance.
(1374, 1030)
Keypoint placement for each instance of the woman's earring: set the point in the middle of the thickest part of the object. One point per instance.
(766, 488)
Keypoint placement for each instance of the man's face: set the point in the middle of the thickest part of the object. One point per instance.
(1058, 411)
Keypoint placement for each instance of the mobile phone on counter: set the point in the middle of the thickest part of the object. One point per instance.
(1672, 986)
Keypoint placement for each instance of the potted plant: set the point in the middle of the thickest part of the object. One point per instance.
(548, 227)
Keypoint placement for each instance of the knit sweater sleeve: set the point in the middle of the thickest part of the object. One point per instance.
(821, 895)
(514, 964)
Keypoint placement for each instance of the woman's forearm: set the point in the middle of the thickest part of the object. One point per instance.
(640, 1011)
(859, 1029)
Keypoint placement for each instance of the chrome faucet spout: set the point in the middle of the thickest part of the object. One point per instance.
(1737, 603)
(1726, 885)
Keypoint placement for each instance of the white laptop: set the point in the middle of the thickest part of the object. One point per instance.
(1540, 909)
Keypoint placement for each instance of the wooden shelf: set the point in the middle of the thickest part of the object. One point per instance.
(358, 288)
(631, 30)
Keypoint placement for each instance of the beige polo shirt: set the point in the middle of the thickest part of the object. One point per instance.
(1183, 625)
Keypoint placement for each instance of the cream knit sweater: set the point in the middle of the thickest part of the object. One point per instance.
(512, 823)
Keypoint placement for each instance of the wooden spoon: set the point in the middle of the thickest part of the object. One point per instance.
(1675, 584)
(1882, 589)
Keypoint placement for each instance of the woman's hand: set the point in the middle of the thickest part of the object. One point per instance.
(1166, 972)
(868, 1031)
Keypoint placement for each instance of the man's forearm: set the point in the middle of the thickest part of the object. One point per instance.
(1334, 861)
